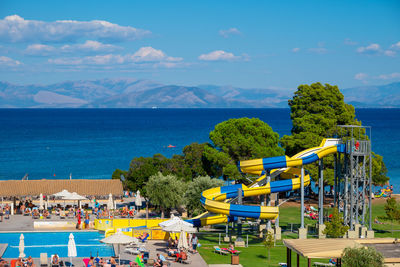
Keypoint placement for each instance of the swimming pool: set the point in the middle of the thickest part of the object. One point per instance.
(87, 243)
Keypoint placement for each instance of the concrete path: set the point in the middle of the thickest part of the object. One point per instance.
(3, 248)
(224, 265)
(159, 246)
(25, 223)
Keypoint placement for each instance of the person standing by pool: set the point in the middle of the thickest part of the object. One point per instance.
(78, 216)
(194, 243)
(86, 220)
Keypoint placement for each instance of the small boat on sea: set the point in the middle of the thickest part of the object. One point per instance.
(170, 146)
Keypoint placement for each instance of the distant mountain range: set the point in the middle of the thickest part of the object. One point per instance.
(132, 93)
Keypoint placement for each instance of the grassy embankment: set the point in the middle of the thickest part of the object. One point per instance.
(256, 253)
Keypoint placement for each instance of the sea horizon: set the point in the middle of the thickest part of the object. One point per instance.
(90, 143)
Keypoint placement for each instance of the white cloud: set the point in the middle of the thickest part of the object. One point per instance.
(318, 50)
(218, 55)
(16, 29)
(375, 49)
(295, 50)
(143, 55)
(389, 53)
(371, 49)
(361, 76)
(9, 62)
(390, 76)
(149, 54)
(229, 32)
(348, 41)
(40, 49)
(90, 46)
(89, 60)
(396, 46)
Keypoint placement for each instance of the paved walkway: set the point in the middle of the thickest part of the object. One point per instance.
(25, 223)
(224, 265)
(159, 246)
(3, 248)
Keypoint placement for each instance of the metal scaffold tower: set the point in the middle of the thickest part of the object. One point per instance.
(353, 176)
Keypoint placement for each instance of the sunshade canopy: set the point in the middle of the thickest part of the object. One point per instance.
(74, 196)
(63, 193)
(179, 226)
(328, 248)
(118, 238)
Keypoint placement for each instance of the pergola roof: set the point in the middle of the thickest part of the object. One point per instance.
(331, 248)
(319, 248)
(86, 187)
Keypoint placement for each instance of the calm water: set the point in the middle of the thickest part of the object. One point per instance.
(87, 243)
(92, 143)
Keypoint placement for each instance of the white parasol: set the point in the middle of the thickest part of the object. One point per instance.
(138, 200)
(21, 246)
(110, 203)
(183, 243)
(63, 193)
(176, 224)
(74, 196)
(119, 238)
(41, 201)
(71, 248)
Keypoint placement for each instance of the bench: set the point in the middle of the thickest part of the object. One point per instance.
(323, 264)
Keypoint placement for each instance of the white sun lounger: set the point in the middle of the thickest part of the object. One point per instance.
(43, 259)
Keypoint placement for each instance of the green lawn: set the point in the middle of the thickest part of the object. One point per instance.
(252, 256)
(256, 253)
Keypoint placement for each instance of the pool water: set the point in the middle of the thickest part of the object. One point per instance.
(87, 244)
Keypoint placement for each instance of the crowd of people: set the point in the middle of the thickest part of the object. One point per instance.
(20, 262)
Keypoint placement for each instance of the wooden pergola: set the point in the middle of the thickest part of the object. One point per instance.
(328, 248)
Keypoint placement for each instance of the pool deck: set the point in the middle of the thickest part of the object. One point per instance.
(3, 248)
(20, 223)
(153, 246)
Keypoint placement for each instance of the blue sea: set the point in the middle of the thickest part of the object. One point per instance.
(92, 143)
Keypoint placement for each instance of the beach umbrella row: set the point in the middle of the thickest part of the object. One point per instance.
(71, 247)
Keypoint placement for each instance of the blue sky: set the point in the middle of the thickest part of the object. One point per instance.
(263, 44)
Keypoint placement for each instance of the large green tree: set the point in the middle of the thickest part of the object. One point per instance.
(194, 190)
(240, 139)
(165, 192)
(142, 168)
(316, 110)
(194, 160)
